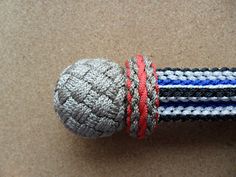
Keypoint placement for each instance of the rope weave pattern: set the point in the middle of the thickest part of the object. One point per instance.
(197, 94)
(90, 98)
(96, 98)
(142, 112)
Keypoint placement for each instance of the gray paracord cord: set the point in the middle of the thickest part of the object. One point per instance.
(96, 98)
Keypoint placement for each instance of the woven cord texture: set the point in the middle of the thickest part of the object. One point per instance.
(197, 94)
(89, 98)
(142, 96)
(96, 98)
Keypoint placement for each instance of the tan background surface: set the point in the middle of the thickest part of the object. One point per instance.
(40, 38)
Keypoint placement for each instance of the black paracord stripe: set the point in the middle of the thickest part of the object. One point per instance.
(197, 92)
(197, 69)
(168, 118)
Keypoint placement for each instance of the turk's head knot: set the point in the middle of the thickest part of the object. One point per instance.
(96, 97)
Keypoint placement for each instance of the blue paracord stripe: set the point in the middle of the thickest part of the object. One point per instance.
(199, 103)
(196, 82)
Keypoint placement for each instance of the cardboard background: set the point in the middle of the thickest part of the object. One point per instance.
(40, 38)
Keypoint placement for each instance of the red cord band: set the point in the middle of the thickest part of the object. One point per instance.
(142, 97)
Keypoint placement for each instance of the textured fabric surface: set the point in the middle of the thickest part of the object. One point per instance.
(197, 94)
(90, 98)
(38, 39)
(142, 118)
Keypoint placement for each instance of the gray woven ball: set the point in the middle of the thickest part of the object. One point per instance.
(89, 98)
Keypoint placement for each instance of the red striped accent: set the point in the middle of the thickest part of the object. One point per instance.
(142, 76)
(129, 96)
(157, 90)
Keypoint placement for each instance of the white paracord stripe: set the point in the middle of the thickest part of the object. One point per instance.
(196, 99)
(196, 75)
(190, 110)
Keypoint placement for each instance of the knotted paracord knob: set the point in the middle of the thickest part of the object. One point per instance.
(96, 98)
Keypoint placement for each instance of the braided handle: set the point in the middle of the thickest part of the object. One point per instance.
(96, 98)
(197, 94)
